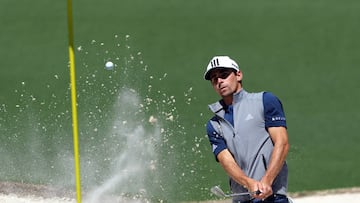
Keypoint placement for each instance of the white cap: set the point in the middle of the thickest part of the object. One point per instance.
(220, 62)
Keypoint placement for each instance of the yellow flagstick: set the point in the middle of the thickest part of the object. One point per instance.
(73, 100)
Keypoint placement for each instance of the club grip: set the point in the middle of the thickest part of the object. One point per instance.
(257, 192)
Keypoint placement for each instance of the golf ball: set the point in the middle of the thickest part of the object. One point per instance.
(109, 65)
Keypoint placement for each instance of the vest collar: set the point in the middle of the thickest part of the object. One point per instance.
(238, 96)
(218, 106)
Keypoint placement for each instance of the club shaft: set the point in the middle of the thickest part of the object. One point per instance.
(239, 194)
(244, 193)
(220, 193)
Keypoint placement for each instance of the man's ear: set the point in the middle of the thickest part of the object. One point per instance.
(239, 76)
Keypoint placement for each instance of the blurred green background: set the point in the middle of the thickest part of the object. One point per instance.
(305, 52)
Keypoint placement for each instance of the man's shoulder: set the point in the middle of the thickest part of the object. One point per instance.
(215, 118)
(266, 95)
(253, 95)
(211, 122)
(269, 97)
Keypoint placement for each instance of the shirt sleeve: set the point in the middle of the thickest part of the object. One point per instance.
(217, 141)
(273, 110)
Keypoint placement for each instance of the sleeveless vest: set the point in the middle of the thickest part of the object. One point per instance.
(248, 141)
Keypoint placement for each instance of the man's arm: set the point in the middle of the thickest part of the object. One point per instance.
(234, 171)
(279, 137)
(275, 123)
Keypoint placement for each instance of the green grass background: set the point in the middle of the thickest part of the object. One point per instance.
(306, 52)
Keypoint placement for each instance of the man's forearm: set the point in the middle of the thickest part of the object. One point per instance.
(232, 169)
(278, 156)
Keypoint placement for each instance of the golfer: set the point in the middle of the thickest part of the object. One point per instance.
(248, 135)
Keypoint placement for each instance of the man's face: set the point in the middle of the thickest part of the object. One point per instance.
(225, 81)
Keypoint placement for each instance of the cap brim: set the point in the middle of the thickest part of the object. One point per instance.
(207, 74)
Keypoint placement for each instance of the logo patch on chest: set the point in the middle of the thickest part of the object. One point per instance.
(249, 117)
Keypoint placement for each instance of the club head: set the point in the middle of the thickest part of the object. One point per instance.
(216, 190)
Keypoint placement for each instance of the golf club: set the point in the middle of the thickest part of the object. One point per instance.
(216, 190)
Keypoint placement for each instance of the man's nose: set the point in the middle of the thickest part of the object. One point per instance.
(219, 81)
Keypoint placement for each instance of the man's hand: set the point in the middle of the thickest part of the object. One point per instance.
(265, 189)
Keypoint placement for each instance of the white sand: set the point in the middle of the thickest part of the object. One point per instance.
(351, 195)
(12, 198)
(331, 198)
